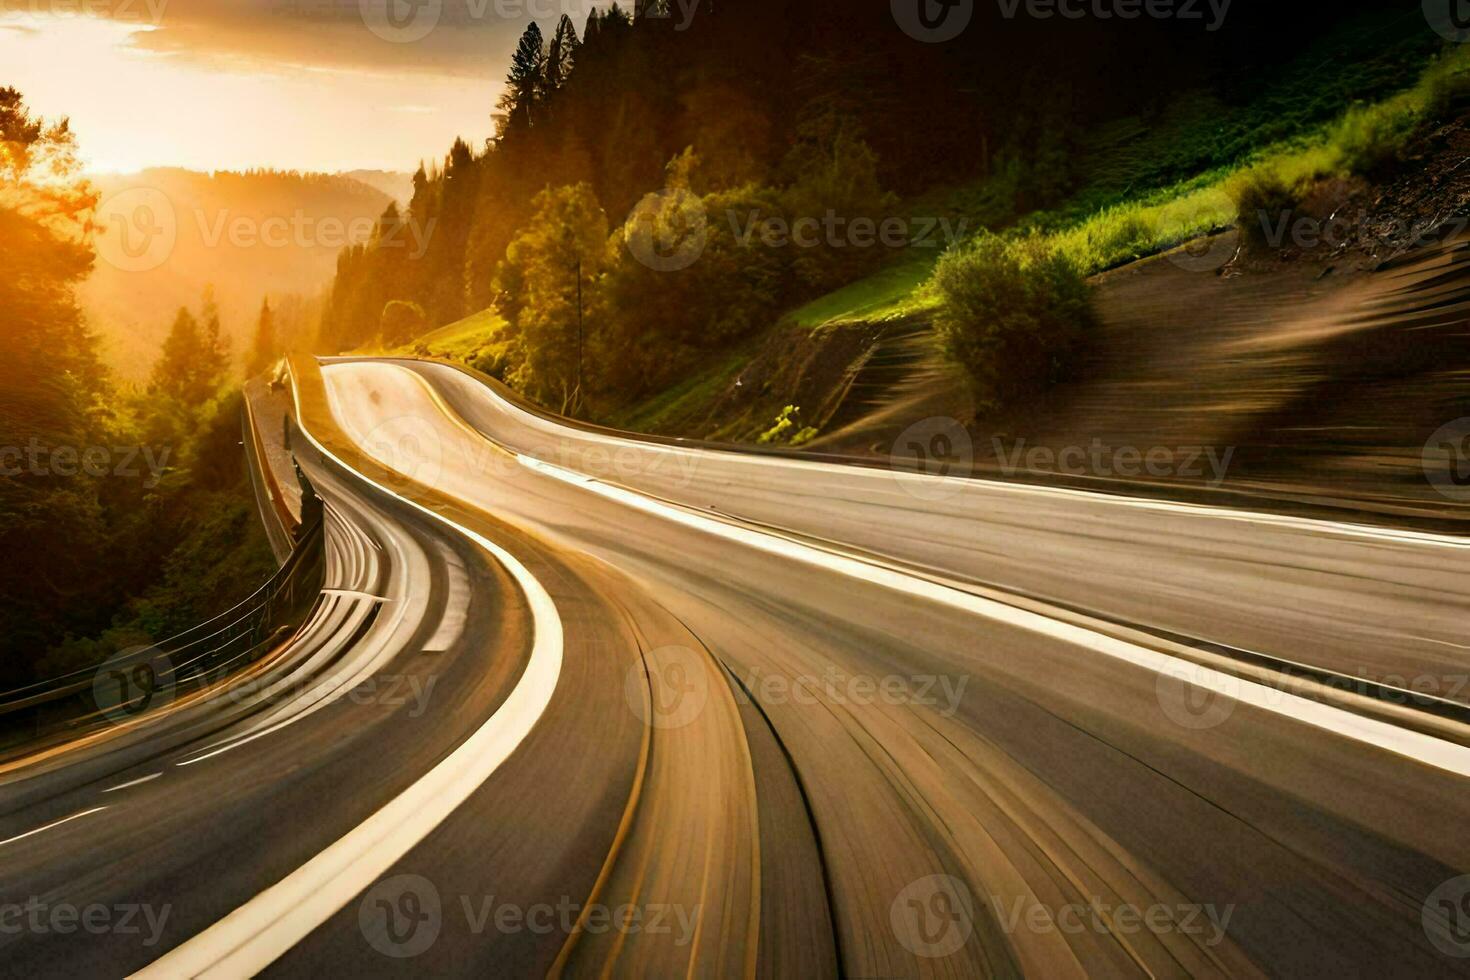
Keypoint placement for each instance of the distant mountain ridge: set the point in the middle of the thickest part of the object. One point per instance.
(165, 234)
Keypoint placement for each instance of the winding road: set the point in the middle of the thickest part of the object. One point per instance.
(580, 703)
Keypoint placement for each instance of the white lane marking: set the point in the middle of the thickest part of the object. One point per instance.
(456, 604)
(260, 931)
(370, 655)
(1309, 524)
(303, 704)
(136, 782)
(355, 594)
(1414, 745)
(49, 826)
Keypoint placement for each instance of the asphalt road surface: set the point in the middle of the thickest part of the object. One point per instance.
(580, 704)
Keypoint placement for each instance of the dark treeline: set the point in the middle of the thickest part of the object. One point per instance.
(125, 513)
(759, 108)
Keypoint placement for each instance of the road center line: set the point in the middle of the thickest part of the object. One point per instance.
(1418, 746)
(136, 782)
(49, 826)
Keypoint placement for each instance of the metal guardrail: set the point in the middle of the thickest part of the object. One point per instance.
(132, 682)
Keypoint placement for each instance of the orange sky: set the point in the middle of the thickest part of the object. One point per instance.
(301, 84)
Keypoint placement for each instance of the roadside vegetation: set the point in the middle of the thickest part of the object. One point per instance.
(992, 289)
(125, 511)
(623, 144)
(1011, 312)
(1366, 140)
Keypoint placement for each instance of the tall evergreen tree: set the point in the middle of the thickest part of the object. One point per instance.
(524, 83)
(561, 54)
(194, 357)
(263, 350)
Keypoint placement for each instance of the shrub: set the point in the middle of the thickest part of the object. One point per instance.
(1265, 200)
(1445, 84)
(785, 422)
(1012, 312)
(1369, 139)
(401, 322)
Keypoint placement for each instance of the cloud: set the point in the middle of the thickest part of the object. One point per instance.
(466, 38)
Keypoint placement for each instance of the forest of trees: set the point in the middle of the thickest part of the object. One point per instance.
(754, 108)
(125, 512)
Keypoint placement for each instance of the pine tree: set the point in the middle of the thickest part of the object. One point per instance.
(263, 350)
(561, 55)
(194, 357)
(174, 372)
(524, 83)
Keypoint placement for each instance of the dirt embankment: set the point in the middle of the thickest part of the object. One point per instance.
(1318, 369)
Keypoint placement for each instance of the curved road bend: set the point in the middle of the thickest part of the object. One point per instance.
(799, 752)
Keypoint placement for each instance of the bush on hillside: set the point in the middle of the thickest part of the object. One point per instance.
(1370, 139)
(1265, 201)
(1012, 313)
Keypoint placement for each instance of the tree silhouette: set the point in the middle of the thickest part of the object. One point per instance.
(263, 349)
(524, 83)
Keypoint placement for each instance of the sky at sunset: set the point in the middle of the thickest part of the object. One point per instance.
(298, 84)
